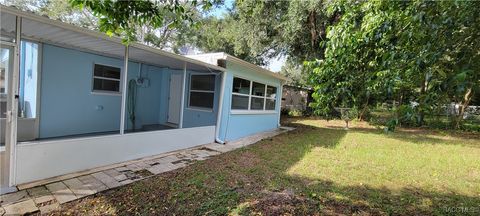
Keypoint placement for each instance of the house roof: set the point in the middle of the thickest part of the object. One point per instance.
(43, 29)
(212, 58)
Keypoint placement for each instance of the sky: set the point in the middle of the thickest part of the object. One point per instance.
(275, 64)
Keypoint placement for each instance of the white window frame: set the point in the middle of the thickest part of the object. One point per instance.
(270, 98)
(103, 92)
(250, 110)
(201, 91)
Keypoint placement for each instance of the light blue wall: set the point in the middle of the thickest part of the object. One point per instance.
(195, 118)
(235, 126)
(147, 110)
(68, 107)
(191, 117)
(162, 118)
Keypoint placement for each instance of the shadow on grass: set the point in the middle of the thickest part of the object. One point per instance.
(255, 180)
(418, 135)
(327, 197)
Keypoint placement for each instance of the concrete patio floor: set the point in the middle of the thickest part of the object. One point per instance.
(47, 195)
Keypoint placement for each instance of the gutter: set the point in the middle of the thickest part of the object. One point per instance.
(220, 109)
(256, 68)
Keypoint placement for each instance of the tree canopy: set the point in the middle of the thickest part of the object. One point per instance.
(419, 56)
(123, 18)
(420, 52)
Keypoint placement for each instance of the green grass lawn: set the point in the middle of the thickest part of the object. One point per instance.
(318, 169)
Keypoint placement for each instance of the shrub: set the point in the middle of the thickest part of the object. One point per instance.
(295, 113)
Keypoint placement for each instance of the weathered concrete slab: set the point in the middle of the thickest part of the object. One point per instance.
(122, 169)
(143, 164)
(61, 192)
(40, 195)
(169, 159)
(161, 168)
(93, 183)
(133, 167)
(120, 177)
(78, 187)
(15, 197)
(48, 208)
(107, 180)
(126, 181)
(21, 208)
(218, 147)
(112, 172)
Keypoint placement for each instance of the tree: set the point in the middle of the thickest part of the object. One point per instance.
(258, 31)
(58, 10)
(125, 18)
(405, 52)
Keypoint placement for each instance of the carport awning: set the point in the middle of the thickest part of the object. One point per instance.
(58, 33)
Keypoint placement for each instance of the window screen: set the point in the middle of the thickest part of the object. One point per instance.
(106, 78)
(202, 91)
(259, 97)
(258, 89)
(241, 86)
(239, 102)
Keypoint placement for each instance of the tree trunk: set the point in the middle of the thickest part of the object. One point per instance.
(361, 115)
(465, 102)
(312, 18)
(423, 90)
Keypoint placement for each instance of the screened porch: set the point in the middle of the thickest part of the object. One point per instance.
(80, 99)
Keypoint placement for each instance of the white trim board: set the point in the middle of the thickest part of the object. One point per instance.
(36, 161)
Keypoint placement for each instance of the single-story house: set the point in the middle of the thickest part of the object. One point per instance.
(73, 99)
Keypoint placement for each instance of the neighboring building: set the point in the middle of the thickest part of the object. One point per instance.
(75, 99)
(296, 98)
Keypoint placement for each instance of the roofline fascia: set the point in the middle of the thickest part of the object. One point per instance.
(255, 67)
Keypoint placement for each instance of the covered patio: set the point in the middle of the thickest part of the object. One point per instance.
(74, 99)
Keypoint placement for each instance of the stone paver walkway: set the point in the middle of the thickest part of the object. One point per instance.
(48, 197)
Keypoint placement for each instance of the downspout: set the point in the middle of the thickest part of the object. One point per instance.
(220, 109)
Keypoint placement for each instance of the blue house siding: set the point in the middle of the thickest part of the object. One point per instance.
(147, 109)
(235, 126)
(196, 118)
(68, 106)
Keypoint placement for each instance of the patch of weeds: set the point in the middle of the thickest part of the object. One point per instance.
(143, 173)
(219, 203)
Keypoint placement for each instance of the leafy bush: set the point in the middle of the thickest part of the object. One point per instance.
(391, 124)
(406, 115)
(295, 113)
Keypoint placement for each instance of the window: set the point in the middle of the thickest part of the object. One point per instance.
(270, 98)
(202, 91)
(250, 95)
(28, 84)
(241, 86)
(240, 94)
(106, 79)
